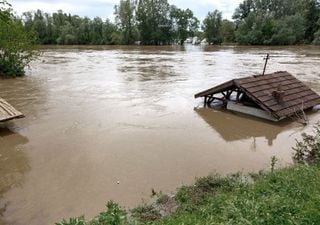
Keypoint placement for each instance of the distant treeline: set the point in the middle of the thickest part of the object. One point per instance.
(156, 22)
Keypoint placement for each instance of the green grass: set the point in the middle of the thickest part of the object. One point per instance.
(288, 196)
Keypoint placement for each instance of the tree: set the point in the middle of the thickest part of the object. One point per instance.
(154, 23)
(228, 29)
(244, 9)
(16, 45)
(109, 33)
(185, 23)
(212, 27)
(125, 20)
(312, 15)
(277, 22)
(316, 35)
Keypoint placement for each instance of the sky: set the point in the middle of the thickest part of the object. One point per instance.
(105, 8)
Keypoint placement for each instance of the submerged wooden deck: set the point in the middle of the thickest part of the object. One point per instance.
(8, 112)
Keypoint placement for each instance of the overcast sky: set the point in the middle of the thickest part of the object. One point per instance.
(105, 8)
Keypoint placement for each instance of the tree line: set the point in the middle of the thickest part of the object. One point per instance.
(155, 22)
(148, 21)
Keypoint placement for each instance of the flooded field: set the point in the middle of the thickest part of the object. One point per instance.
(99, 115)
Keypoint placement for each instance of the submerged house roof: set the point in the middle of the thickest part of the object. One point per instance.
(8, 112)
(279, 94)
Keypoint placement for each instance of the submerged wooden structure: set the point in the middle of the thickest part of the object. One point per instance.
(271, 96)
(8, 112)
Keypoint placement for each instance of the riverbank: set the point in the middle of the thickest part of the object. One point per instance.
(285, 196)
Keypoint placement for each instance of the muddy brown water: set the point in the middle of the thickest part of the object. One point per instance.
(99, 115)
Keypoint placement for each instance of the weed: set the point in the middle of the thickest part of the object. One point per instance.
(146, 213)
(113, 216)
(274, 160)
(307, 151)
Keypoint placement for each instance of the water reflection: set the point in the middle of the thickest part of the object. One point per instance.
(14, 163)
(234, 127)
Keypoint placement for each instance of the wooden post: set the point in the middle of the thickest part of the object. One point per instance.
(265, 64)
(205, 101)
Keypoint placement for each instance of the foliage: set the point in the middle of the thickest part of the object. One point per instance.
(307, 151)
(146, 213)
(16, 45)
(62, 28)
(153, 20)
(185, 24)
(125, 20)
(156, 22)
(316, 40)
(113, 216)
(287, 22)
(274, 161)
(212, 27)
(281, 197)
(149, 21)
(228, 28)
(5, 12)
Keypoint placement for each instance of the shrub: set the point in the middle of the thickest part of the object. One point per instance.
(113, 216)
(307, 151)
(16, 45)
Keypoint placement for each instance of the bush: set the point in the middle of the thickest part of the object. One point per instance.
(307, 151)
(16, 45)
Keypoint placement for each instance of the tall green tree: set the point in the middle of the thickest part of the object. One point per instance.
(125, 20)
(185, 24)
(154, 23)
(212, 27)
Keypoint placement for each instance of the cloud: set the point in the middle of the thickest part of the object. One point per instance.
(105, 8)
(93, 8)
(202, 7)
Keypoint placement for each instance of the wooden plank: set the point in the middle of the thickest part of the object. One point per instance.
(222, 87)
(8, 112)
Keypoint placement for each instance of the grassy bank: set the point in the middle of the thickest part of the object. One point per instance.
(285, 196)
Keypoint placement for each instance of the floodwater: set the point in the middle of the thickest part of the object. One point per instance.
(99, 115)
